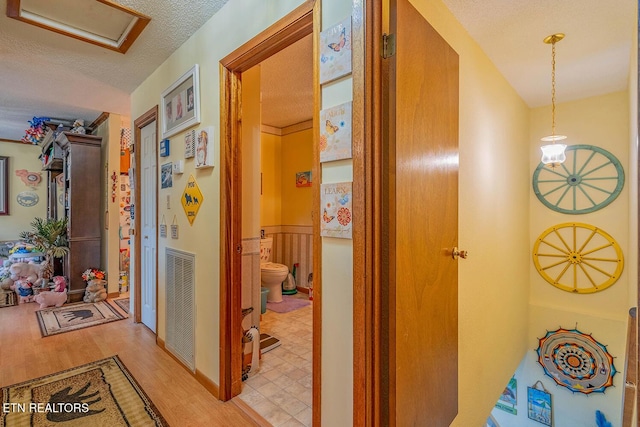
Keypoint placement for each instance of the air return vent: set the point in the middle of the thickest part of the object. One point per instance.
(181, 306)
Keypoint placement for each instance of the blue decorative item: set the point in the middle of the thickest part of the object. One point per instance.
(36, 132)
(601, 420)
(164, 148)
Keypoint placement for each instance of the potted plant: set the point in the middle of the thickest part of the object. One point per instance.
(49, 236)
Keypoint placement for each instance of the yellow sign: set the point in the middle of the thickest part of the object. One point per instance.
(191, 199)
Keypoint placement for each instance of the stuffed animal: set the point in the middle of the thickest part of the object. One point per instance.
(78, 127)
(5, 276)
(24, 290)
(22, 270)
(60, 282)
(94, 292)
(48, 298)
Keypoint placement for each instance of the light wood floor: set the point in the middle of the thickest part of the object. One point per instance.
(24, 355)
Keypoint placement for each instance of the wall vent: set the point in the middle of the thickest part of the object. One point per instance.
(181, 307)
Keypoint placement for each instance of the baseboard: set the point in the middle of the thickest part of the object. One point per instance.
(113, 295)
(205, 381)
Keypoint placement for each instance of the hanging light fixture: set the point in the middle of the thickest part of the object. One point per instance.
(553, 154)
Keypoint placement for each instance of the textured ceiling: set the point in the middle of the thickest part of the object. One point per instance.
(46, 74)
(43, 73)
(593, 58)
(286, 82)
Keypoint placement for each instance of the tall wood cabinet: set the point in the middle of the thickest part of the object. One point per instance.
(72, 162)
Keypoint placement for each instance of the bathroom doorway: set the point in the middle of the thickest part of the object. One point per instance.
(238, 169)
(277, 233)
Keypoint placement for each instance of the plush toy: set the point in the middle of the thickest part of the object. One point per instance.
(60, 282)
(78, 127)
(95, 292)
(5, 276)
(24, 290)
(22, 270)
(48, 298)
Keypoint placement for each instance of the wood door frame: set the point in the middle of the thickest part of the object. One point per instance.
(301, 22)
(142, 121)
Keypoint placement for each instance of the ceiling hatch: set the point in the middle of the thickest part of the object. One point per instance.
(98, 22)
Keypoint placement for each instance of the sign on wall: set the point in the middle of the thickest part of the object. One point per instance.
(191, 199)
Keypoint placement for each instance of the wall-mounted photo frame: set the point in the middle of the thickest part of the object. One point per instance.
(303, 179)
(539, 405)
(205, 148)
(180, 103)
(4, 187)
(166, 175)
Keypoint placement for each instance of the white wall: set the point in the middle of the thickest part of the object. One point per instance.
(237, 22)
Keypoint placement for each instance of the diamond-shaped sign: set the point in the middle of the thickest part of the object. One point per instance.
(191, 199)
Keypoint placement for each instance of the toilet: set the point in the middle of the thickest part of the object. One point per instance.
(271, 274)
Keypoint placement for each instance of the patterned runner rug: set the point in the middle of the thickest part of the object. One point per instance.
(101, 393)
(123, 303)
(56, 320)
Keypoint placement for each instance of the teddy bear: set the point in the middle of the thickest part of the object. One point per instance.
(49, 298)
(24, 290)
(22, 270)
(94, 292)
(60, 283)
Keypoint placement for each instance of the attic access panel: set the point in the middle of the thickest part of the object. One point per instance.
(98, 22)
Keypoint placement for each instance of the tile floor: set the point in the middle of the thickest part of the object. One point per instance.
(281, 391)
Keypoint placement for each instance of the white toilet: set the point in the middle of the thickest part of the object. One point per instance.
(271, 274)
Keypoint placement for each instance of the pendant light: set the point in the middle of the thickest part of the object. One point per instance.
(553, 154)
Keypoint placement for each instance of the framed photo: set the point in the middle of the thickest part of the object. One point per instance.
(303, 179)
(4, 187)
(539, 407)
(166, 175)
(205, 148)
(180, 103)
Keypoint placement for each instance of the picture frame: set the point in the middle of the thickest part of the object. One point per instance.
(205, 149)
(166, 174)
(4, 188)
(508, 400)
(303, 179)
(539, 405)
(180, 103)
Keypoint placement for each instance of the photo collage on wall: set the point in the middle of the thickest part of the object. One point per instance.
(335, 139)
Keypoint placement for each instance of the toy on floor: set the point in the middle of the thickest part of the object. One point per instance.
(95, 292)
(60, 283)
(24, 290)
(29, 272)
(50, 298)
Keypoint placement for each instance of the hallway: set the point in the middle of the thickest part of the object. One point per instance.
(175, 392)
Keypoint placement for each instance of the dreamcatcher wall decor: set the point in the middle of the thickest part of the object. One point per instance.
(576, 361)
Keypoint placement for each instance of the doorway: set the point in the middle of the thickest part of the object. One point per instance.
(285, 32)
(145, 254)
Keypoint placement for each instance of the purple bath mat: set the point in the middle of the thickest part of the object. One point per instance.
(288, 304)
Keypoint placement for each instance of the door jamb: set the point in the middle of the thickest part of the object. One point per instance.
(291, 28)
(142, 121)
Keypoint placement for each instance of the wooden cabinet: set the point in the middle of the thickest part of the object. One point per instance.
(72, 162)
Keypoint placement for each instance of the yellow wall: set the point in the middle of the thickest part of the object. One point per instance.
(282, 203)
(22, 156)
(297, 156)
(202, 237)
(270, 165)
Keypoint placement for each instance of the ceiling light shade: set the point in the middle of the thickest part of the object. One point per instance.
(553, 154)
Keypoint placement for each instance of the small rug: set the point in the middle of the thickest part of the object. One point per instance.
(56, 320)
(123, 303)
(267, 342)
(7, 298)
(101, 393)
(288, 304)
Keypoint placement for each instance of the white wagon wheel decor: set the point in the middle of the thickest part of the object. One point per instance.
(590, 179)
(577, 257)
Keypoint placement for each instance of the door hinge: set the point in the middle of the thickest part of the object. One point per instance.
(388, 45)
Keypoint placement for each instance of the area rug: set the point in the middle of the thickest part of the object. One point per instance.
(268, 343)
(288, 304)
(7, 298)
(56, 320)
(101, 393)
(123, 303)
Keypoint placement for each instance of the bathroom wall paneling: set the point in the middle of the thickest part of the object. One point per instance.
(291, 28)
(293, 244)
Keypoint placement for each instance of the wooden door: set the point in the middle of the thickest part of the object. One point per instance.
(421, 217)
(148, 215)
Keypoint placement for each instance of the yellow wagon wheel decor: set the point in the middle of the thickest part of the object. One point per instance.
(577, 257)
